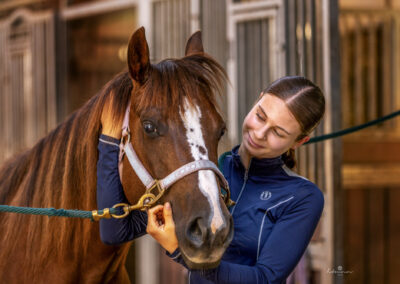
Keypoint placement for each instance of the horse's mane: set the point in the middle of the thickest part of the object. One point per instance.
(60, 170)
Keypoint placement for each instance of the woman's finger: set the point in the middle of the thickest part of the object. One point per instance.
(167, 213)
(152, 223)
(154, 209)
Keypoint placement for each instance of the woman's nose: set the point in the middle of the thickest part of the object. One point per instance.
(260, 133)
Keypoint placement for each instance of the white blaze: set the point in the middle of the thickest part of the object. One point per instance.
(207, 180)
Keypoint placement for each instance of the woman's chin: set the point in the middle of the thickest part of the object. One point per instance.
(253, 151)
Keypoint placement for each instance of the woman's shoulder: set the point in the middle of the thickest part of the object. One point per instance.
(224, 156)
(304, 189)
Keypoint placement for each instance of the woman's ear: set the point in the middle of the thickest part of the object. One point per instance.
(300, 142)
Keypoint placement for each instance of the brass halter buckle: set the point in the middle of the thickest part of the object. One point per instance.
(226, 197)
(157, 195)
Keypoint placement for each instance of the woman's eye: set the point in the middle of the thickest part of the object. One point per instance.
(149, 127)
(277, 133)
(259, 116)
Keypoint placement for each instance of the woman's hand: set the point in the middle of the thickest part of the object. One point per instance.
(110, 126)
(161, 226)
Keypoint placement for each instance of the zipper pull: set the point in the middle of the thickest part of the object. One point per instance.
(246, 173)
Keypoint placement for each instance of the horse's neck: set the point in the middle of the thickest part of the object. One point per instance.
(59, 171)
(79, 176)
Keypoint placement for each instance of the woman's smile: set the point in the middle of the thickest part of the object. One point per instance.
(252, 143)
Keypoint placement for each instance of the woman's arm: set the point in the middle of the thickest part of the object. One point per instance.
(109, 188)
(110, 192)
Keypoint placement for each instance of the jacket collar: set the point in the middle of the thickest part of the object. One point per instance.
(258, 167)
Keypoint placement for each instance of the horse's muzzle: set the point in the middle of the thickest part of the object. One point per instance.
(203, 248)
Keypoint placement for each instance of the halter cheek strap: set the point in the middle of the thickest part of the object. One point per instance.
(125, 134)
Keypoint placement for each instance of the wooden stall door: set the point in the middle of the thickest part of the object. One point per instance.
(371, 160)
(372, 235)
(27, 81)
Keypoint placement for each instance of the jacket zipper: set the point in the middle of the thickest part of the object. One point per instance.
(246, 176)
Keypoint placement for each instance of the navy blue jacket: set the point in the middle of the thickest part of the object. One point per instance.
(109, 193)
(274, 218)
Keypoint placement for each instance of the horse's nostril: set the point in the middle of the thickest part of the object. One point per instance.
(199, 235)
(224, 234)
(196, 232)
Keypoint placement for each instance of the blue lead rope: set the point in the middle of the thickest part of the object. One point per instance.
(89, 214)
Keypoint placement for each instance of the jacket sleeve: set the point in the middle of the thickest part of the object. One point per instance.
(110, 192)
(279, 255)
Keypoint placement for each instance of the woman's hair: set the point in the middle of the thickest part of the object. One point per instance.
(304, 100)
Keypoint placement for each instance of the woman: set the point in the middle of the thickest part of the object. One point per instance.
(276, 211)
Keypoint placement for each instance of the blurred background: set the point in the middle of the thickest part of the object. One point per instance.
(56, 54)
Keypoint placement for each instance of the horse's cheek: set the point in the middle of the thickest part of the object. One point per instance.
(130, 184)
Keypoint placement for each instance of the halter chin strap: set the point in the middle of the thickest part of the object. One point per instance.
(151, 184)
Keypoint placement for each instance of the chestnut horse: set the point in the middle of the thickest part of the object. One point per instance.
(175, 96)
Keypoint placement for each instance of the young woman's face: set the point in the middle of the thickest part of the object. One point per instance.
(270, 129)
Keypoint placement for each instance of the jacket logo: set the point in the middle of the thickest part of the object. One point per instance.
(265, 195)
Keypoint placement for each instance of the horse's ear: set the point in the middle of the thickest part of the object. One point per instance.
(194, 44)
(138, 56)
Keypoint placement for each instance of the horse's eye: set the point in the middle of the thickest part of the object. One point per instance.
(149, 128)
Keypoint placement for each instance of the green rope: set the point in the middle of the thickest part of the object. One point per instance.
(52, 212)
(352, 129)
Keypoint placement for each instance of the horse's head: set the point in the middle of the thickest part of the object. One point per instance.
(174, 121)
